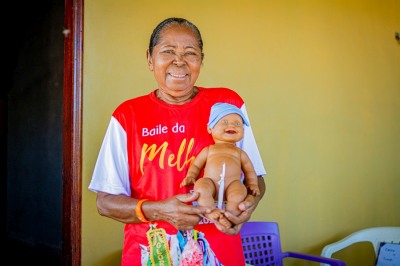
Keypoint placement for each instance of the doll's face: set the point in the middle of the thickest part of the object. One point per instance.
(229, 129)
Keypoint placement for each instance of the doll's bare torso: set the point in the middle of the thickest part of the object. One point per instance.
(218, 155)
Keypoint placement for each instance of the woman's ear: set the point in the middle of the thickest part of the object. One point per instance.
(149, 60)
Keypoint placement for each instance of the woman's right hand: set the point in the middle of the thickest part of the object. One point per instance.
(176, 211)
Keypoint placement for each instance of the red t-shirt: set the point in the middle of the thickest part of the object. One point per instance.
(161, 142)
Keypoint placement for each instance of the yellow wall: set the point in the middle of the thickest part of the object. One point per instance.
(321, 80)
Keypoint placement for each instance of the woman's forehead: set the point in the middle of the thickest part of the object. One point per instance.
(178, 33)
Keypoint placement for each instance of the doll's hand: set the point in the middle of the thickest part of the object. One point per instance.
(253, 189)
(187, 181)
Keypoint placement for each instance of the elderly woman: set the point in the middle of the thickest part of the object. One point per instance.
(150, 143)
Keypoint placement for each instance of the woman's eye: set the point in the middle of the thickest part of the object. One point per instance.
(168, 52)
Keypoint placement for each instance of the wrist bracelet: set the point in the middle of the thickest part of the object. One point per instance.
(139, 212)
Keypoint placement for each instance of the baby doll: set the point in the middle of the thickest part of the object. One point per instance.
(223, 160)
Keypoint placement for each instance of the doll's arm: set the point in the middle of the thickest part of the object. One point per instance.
(250, 176)
(195, 168)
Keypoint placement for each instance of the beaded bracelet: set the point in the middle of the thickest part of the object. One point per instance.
(139, 212)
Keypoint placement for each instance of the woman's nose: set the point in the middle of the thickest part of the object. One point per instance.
(179, 60)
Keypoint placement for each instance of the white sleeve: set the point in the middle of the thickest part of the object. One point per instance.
(249, 145)
(111, 172)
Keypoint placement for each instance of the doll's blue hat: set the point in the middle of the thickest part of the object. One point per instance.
(220, 110)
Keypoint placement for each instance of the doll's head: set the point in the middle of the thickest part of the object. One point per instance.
(220, 110)
(226, 123)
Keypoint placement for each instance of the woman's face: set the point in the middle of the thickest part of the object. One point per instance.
(176, 60)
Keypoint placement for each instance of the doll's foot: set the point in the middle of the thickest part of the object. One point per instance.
(224, 221)
(218, 216)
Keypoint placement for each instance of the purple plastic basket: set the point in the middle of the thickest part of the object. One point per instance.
(262, 246)
(261, 243)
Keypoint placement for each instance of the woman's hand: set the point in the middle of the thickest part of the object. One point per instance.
(177, 211)
(174, 210)
(247, 207)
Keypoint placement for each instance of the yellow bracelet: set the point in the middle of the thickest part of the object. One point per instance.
(139, 212)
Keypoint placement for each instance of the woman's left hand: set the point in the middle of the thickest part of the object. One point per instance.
(247, 207)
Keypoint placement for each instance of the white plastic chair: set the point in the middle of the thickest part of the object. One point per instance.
(374, 235)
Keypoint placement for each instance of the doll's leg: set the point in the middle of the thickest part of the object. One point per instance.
(206, 188)
(207, 191)
(235, 193)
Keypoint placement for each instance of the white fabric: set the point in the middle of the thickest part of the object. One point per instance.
(111, 172)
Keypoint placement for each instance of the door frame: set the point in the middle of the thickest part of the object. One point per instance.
(72, 133)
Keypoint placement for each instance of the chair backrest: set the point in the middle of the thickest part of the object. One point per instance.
(374, 235)
(261, 243)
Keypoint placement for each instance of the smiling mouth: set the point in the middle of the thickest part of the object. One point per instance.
(230, 131)
(177, 76)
